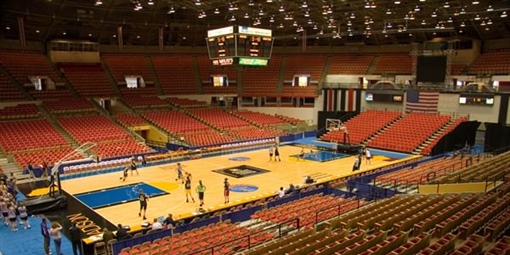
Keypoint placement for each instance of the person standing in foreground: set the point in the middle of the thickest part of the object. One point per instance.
(201, 190)
(277, 154)
(45, 232)
(187, 189)
(226, 190)
(271, 153)
(55, 232)
(143, 198)
(75, 234)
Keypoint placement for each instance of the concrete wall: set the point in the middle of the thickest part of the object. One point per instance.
(450, 103)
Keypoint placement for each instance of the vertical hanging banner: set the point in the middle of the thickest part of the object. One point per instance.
(120, 38)
(160, 39)
(21, 29)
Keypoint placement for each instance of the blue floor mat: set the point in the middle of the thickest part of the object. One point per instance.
(117, 195)
(322, 156)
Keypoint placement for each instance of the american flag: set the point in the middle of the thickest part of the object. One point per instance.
(421, 101)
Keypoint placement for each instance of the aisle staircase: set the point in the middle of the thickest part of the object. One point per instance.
(370, 138)
(51, 119)
(433, 137)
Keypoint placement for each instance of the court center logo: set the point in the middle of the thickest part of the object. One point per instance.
(243, 188)
(239, 159)
(241, 171)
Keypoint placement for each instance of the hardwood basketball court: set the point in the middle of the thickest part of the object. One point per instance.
(281, 174)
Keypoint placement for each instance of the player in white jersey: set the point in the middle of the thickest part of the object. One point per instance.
(23, 215)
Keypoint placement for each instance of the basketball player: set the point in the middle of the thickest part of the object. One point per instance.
(143, 198)
(180, 171)
(276, 153)
(368, 156)
(226, 190)
(133, 166)
(187, 188)
(125, 173)
(271, 153)
(201, 190)
(302, 154)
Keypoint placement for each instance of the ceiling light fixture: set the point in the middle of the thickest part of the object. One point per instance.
(503, 15)
(462, 24)
(388, 12)
(251, 3)
(304, 5)
(307, 14)
(397, 2)
(246, 16)
(446, 4)
(282, 9)
(233, 18)
(475, 2)
(423, 22)
(216, 11)
(150, 2)
(462, 11)
(433, 15)
(98, 2)
(489, 9)
(477, 17)
(197, 2)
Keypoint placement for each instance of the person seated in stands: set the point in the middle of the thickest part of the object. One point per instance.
(45, 170)
(30, 170)
(291, 190)
(281, 192)
(108, 235)
(309, 180)
(53, 185)
(156, 225)
(3, 178)
(121, 233)
(169, 221)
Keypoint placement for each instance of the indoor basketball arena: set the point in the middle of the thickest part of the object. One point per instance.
(155, 127)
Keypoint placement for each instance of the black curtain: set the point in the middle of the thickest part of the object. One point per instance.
(457, 138)
(497, 137)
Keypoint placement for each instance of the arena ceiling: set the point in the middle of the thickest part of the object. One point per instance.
(321, 22)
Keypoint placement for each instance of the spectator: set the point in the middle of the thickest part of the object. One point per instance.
(121, 232)
(281, 192)
(291, 189)
(30, 170)
(169, 221)
(75, 234)
(46, 235)
(309, 180)
(108, 235)
(156, 225)
(55, 232)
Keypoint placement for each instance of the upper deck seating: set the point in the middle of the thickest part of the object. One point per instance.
(27, 135)
(22, 65)
(262, 81)
(88, 80)
(350, 64)
(175, 73)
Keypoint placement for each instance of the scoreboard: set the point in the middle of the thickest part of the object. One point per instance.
(240, 45)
